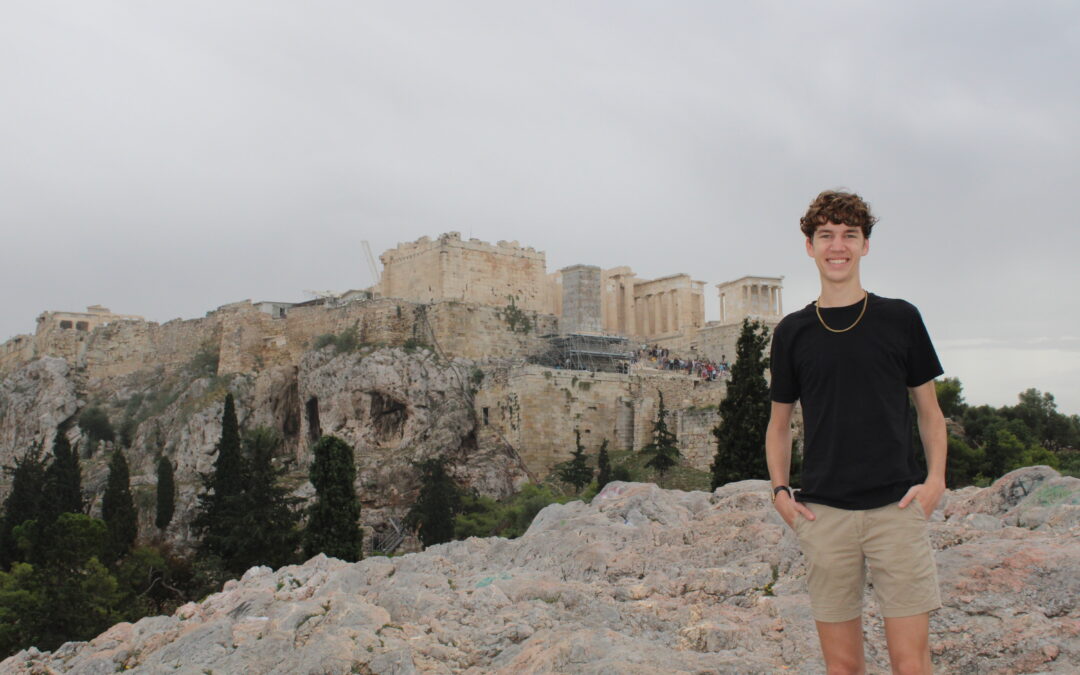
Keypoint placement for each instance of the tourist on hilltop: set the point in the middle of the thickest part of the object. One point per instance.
(851, 359)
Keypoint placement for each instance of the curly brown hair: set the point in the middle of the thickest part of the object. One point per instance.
(842, 208)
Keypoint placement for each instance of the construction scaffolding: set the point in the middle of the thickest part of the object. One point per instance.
(580, 351)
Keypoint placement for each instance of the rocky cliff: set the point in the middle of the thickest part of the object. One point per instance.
(394, 406)
(642, 580)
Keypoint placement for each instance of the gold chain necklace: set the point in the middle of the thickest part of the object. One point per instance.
(817, 308)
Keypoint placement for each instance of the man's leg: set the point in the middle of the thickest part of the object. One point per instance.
(908, 638)
(842, 646)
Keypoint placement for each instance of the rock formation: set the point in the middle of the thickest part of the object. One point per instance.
(642, 580)
(393, 406)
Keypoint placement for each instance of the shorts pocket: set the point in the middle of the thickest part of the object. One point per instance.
(918, 508)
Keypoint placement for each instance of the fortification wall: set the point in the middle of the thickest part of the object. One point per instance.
(448, 268)
(15, 352)
(537, 409)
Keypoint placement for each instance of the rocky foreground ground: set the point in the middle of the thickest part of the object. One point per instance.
(643, 580)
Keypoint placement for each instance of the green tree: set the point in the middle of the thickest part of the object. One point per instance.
(223, 487)
(20, 602)
(664, 447)
(1004, 452)
(576, 471)
(63, 480)
(950, 396)
(76, 596)
(25, 501)
(118, 509)
(744, 412)
(166, 493)
(333, 524)
(603, 465)
(964, 463)
(436, 505)
(261, 522)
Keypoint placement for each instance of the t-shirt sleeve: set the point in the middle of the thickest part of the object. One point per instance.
(784, 387)
(922, 361)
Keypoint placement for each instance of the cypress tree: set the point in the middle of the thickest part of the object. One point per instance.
(334, 518)
(166, 493)
(744, 412)
(262, 529)
(665, 446)
(63, 479)
(436, 505)
(603, 465)
(223, 487)
(576, 471)
(118, 509)
(24, 502)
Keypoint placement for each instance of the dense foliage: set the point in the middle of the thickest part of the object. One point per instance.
(118, 509)
(486, 517)
(987, 442)
(744, 412)
(603, 466)
(166, 493)
(576, 471)
(334, 518)
(432, 516)
(664, 447)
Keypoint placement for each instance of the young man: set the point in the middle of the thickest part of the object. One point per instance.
(852, 358)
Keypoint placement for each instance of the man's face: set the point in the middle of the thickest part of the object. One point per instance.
(837, 250)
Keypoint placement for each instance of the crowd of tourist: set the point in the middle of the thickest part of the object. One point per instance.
(708, 370)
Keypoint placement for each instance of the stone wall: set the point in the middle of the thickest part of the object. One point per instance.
(245, 339)
(537, 409)
(448, 268)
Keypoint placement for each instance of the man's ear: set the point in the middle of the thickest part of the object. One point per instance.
(809, 247)
(866, 246)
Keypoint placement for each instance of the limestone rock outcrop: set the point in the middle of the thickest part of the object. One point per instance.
(394, 406)
(642, 580)
(34, 400)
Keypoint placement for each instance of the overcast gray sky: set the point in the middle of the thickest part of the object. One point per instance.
(163, 159)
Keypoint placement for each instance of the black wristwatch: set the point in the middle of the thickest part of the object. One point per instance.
(778, 488)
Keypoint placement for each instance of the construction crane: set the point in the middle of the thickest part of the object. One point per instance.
(371, 264)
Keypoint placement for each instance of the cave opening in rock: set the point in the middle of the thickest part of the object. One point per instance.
(290, 410)
(312, 409)
(388, 417)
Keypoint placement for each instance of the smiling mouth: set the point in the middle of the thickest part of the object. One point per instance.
(836, 261)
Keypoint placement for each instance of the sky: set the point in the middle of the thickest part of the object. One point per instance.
(163, 159)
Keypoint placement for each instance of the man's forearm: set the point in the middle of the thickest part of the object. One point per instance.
(934, 438)
(778, 454)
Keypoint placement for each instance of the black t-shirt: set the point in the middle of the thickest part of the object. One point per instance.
(854, 391)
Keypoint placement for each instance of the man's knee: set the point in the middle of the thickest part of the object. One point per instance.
(912, 666)
(852, 668)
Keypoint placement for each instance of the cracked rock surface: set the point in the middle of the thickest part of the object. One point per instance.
(643, 580)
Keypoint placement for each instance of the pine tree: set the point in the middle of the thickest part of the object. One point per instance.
(576, 471)
(166, 493)
(603, 465)
(118, 509)
(25, 501)
(63, 479)
(436, 505)
(744, 412)
(334, 518)
(665, 446)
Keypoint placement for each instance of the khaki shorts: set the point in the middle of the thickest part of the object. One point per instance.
(840, 543)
